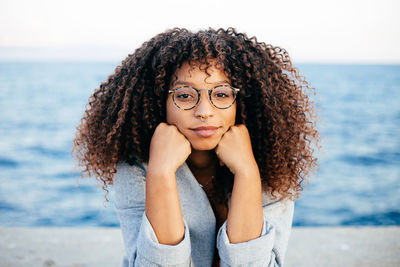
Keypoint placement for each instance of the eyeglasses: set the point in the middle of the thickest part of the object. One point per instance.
(187, 97)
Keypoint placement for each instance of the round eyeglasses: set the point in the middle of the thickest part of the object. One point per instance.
(187, 97)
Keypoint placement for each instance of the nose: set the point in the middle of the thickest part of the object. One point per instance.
(204, 108)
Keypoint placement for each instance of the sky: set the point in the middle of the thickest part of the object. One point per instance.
(311, 31)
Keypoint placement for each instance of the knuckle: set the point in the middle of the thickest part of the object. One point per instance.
(243, 127)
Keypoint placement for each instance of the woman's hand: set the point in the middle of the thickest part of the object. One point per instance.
(169, 148)
(234, 150)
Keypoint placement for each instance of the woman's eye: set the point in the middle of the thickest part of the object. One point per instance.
(184, 96)
(222, 95)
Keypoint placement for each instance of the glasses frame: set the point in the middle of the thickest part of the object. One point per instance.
(235, 91)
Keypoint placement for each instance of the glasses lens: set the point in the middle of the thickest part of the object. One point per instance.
(185, 97)
(222, 96)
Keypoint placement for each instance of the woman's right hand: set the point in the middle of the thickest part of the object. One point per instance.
(169, 149)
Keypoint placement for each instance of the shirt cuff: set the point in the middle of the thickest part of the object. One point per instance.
(149, 248)
(255, 250)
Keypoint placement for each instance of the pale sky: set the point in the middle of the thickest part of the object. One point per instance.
(341, 31)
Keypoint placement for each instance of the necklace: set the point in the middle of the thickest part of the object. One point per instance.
(212, 179)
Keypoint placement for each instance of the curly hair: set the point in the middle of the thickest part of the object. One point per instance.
(123, 112)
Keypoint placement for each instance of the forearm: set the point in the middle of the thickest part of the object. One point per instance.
(163, 208)
(245, 217)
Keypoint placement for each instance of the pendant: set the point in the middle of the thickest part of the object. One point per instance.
(212, 178)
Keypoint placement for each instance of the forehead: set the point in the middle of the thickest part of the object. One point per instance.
(196, 74)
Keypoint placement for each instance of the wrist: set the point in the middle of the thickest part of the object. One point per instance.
(159, 170)
(248, 170)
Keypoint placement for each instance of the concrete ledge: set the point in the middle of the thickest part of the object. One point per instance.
(308, 246)
(344, 246)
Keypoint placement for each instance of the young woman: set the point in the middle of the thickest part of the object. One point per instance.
(206, 138)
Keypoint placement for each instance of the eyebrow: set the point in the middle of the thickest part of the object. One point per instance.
(189, 83)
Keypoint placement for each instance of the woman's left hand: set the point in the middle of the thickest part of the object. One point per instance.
(234, 150)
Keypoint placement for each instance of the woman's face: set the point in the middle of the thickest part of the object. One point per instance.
(187, 120)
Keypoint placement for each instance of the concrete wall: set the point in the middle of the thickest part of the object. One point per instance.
(308, 246)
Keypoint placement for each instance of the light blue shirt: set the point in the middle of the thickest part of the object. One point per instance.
(198, 245)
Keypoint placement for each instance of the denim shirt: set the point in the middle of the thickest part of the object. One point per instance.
(198, 245)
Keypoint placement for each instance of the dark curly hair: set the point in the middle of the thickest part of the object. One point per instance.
(124, 111)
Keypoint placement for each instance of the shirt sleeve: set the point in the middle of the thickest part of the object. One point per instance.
(141, 245)
(267, 250)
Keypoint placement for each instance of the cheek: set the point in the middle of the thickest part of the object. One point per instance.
(170, 111)
(174, 116)
(232, 115)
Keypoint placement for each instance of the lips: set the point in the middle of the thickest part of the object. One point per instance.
(205, 131)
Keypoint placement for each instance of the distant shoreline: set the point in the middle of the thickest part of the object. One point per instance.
(118, 53)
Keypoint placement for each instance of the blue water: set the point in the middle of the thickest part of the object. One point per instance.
(358, 182)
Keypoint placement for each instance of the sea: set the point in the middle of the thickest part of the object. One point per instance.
(41, 103)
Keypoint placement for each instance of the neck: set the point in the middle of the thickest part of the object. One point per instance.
(203, 165)
(202, 160)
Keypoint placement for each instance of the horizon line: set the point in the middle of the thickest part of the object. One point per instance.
(110, 53)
